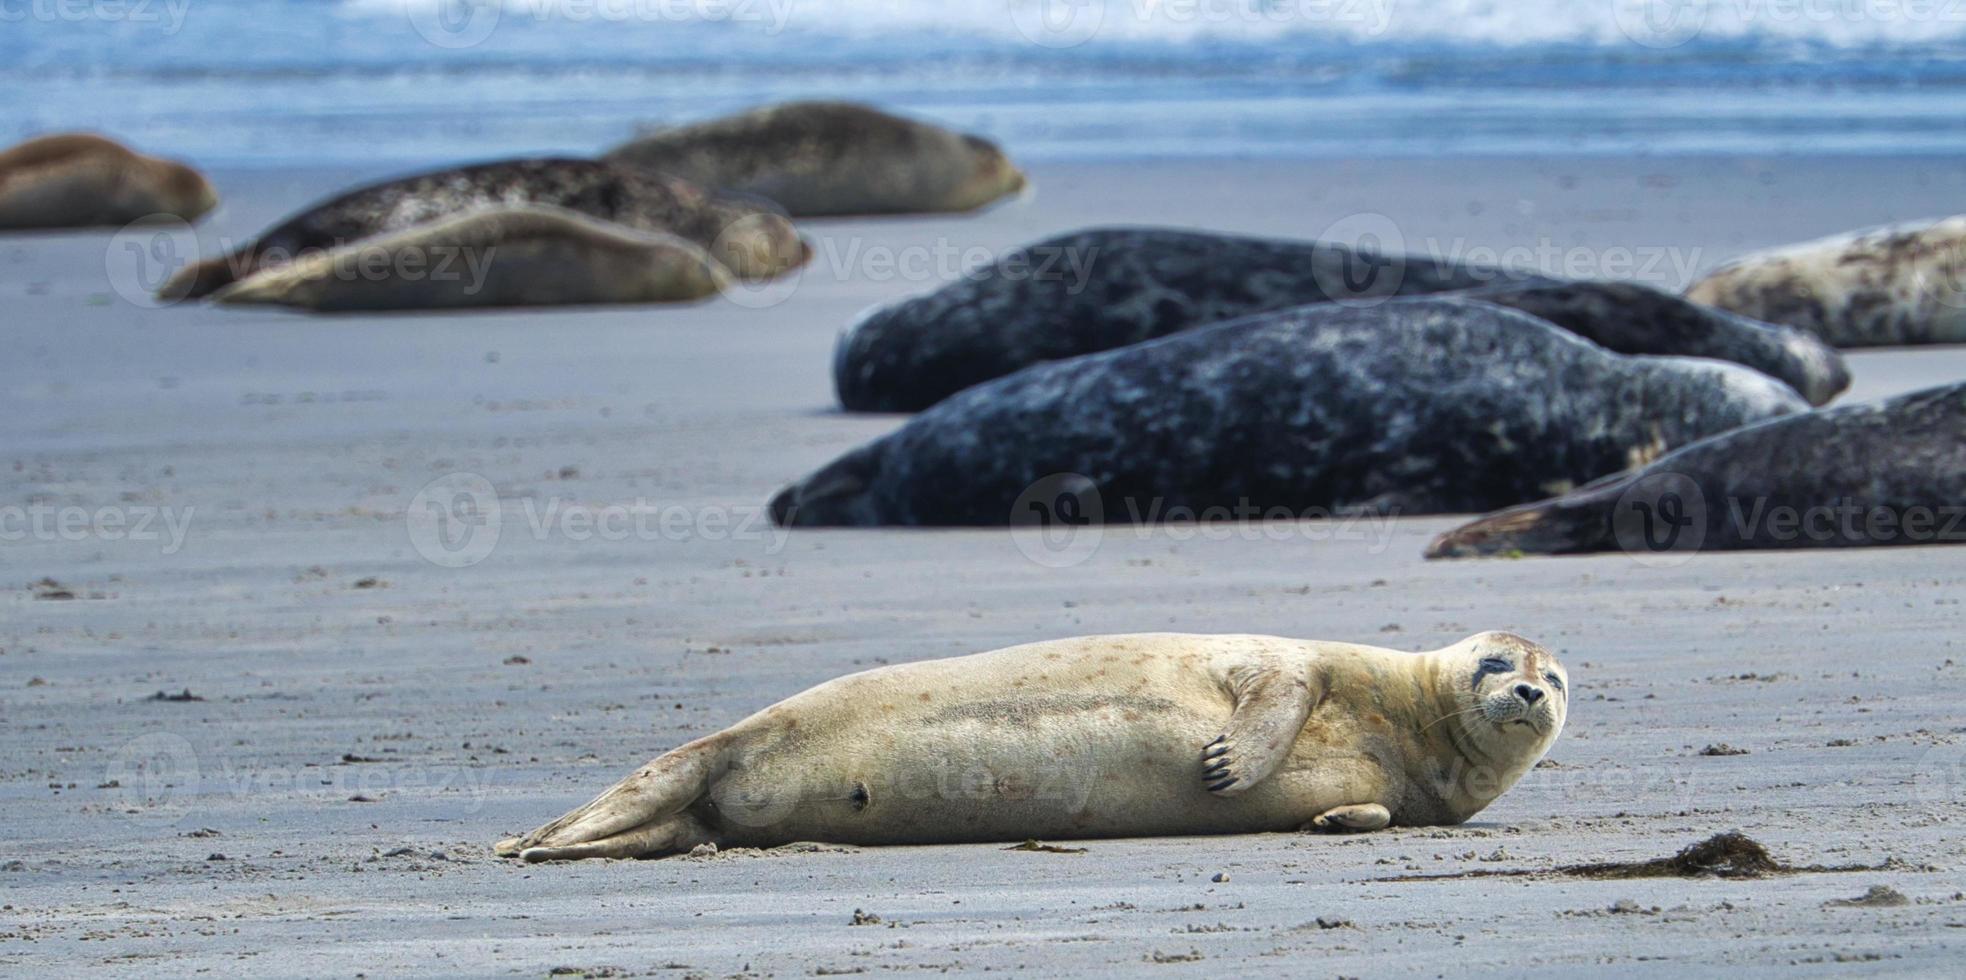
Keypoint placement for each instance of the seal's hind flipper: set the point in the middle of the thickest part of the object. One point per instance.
(1271, 704)
(652, 794)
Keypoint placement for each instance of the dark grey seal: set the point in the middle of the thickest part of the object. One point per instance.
(1103, 288)
(1413, 406)
(1891, 473)
(751, 238)
(832, 158)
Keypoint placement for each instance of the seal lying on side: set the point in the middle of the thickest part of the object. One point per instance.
(79, 181)
(1904, 284)
(1102, 736)
(1103, 288)
(1633, 318)
(749, 237)
(1414, 406)
(1891, 473)
(521, 256)
(831, 158)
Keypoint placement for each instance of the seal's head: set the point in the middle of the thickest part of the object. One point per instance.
(185, 192)
(993, 176)
(1511, 696)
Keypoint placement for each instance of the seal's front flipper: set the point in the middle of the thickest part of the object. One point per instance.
(1354, 817)
(1271, 704)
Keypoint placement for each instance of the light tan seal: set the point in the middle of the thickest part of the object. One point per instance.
(1102, 736)
(519, 256)
(76, 180)
(1902, 284)
(831, 158)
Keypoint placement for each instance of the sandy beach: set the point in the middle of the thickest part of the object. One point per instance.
(266, 732)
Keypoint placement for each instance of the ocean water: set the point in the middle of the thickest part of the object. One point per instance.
(245, 83)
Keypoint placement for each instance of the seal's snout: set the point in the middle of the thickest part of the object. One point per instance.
(1528, 693)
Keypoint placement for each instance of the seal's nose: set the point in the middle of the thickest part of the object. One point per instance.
(1528, 694)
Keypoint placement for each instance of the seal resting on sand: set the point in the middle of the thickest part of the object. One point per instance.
(1104, 288)
(522, 256)
(77, 180)
(1101, 736)
(1412, 406)
(1890, 473)
(1902, 284)
(751, 238)
(831, 158)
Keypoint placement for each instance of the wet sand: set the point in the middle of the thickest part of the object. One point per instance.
(360, 708)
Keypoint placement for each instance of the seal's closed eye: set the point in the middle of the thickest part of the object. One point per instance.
(1490, 665)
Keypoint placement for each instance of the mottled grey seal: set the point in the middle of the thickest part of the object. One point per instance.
(1100, 736)
(1103, 288)
(1902, 284)
(832, 158)
(513, 256)
(1412, 406)
(1891, 473)
(77, 180)
(751, 238)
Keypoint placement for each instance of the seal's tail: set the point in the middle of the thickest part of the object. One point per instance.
(200, 280)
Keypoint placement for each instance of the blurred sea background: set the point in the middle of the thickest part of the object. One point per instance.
(248, 83)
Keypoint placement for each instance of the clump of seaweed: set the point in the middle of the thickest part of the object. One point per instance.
(1729, 855)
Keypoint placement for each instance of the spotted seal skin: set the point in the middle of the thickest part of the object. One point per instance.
(79, 180)
(1902, 284)
(1109, 287)
(751, 238)
(497, 257)
(1890, 473)
(1414, 406)
(1153, 734)
(1634, 318)
(1098, 289)
(821, 159)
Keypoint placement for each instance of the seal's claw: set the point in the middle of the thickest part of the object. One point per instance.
(1219, 786)
(1215, 750)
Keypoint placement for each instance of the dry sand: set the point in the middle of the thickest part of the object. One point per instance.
(459, 704)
